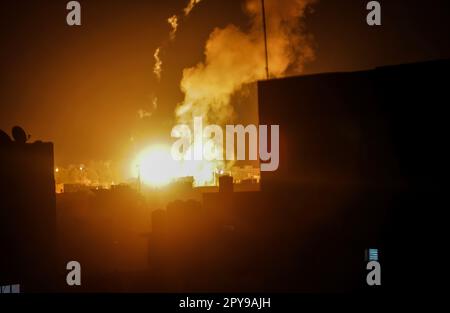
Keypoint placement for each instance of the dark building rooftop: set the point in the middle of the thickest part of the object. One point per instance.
(27, 215)
(381, 126)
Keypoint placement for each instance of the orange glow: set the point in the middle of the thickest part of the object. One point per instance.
(155, 166)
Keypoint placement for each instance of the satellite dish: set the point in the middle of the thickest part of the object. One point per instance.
(19, 134)
(4, 138)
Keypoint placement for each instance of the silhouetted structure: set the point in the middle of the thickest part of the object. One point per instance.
(104, 230)
(27, 214)
(361, 156)
(355, 172)
(225, 184)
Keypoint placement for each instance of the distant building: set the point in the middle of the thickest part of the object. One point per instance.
(110, 225)
(68, 188)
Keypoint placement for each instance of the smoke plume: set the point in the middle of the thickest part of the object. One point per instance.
(173, 22)
(234, 57)
(190, 6)
(157, 69)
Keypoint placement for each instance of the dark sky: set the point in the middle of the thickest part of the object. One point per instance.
(81, 87)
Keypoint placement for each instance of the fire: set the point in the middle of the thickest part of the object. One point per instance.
(157, 168)
(233, 58)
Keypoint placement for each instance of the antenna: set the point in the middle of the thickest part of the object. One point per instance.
(265, 37)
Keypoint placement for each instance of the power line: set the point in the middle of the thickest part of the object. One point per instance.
(265, 38)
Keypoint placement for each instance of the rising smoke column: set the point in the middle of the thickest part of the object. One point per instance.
(157, 69)
(190, 6)
(174, 23)
(234, 57)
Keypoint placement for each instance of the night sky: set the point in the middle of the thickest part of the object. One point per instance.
(81, 87)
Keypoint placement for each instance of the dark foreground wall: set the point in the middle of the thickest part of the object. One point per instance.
(27, 216)
(362, 158)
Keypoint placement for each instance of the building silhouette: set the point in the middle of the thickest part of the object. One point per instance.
(361, 157)
(360, 160)
(27, 215)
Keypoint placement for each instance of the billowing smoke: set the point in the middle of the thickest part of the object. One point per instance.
(234, 57)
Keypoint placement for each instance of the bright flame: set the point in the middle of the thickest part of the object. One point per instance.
(234, 57)
(155, 166)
